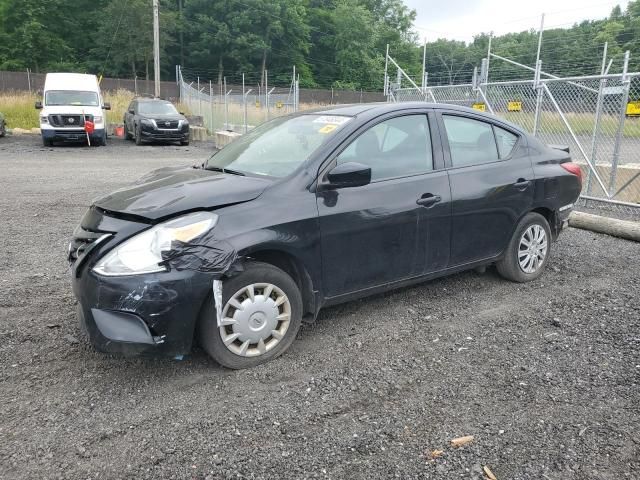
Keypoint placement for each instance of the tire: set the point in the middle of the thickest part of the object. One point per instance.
(259, 275)
(47, 142)
(127, 135)
(184, 143)
(138, 136)
(3, 129)
(510, 266)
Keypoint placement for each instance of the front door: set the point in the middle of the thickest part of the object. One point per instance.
(396, 227)
(491, 185)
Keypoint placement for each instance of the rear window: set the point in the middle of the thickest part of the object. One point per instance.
(71, 97)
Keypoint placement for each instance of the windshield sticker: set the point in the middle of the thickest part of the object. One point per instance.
(332, 119)
(328, 129)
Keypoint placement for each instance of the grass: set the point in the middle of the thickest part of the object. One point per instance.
(18, 108)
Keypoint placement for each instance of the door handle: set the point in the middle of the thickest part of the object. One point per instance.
(522, 183)
(428, 200)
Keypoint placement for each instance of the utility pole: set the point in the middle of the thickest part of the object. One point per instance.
(156, 48)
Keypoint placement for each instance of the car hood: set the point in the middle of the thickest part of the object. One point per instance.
(70, 110)
(169, 191)
(157, 116)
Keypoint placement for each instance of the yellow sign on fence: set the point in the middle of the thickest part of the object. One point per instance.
(514, 106)
(279, 104)
(479, 106)
(633, 109)
(257, 104)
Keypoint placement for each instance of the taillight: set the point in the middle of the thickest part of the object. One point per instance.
(573, 168)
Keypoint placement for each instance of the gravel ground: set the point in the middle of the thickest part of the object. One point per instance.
(545, 375)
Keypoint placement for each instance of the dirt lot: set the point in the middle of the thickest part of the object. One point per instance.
(544, 375)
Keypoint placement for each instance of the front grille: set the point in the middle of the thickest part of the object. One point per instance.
(83, 242)
(167, 124)
(68, 120)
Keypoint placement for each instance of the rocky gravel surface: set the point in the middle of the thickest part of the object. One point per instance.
(545, 376)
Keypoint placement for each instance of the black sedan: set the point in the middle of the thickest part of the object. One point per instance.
(155, 120)
(312, 210)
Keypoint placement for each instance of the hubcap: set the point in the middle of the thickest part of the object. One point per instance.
(533, 249)
(255, 319)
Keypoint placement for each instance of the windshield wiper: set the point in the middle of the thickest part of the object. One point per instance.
(227, 170)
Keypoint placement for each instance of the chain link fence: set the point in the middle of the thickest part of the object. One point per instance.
(597, 117)
(237, 108)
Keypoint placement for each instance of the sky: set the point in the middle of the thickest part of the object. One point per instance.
(462, 19)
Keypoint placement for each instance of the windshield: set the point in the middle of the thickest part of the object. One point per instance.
(278, 147)
(156, 108)
(71, 97)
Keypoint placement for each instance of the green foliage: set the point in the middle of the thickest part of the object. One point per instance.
(339, 43)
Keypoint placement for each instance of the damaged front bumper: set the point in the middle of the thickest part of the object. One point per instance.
(141, 313)
(132, 314)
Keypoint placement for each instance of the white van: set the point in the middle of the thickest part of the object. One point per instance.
(68, 100)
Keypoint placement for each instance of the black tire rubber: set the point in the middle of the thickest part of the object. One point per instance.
(47, 142)
(508, 266)
(127, 135)
(3, 129)
(255, 272)
(184, 143)
(138, 136)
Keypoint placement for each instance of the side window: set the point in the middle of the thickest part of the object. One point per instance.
(471, 141)
(397, 147)
(505, 140)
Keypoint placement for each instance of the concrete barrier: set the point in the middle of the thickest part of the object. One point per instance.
(198, 133)
(624, 173)
(224, 137)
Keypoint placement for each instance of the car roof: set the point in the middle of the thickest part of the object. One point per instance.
(70, 81)
(379, 108)
(150, 99)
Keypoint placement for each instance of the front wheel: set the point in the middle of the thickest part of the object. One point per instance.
(261, 315)
(528, 251)
(138, 136)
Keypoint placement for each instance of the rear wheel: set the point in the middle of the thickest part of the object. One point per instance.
(528, 251)
(127, 135)
(261, 315)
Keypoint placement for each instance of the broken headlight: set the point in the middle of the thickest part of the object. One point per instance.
(142, 253)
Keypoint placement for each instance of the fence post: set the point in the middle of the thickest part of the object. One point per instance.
(623, 106)
(199, 100)
(266, 91)
(385, 85)
(29, 80)
(539, 94)
(211, 107)
(244, 108)
(596, 125)
(226, 110)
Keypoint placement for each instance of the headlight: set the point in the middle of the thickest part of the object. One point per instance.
(44, 120)
(143, 252)
(97, 119)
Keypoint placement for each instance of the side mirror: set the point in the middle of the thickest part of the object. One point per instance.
(131, 111)
(38, 105)
(350, 174)
(107, 106)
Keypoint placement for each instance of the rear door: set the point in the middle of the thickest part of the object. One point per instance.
(396, 227)
(491, 180)
(128, 118)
